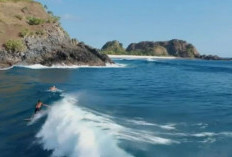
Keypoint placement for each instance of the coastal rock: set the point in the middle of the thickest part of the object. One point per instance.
(175, 47)
(58, 48)
(42, 38)
(212, 57)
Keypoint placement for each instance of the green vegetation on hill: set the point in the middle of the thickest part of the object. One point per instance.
(35, 21)
(24, 18)
(26, 33)
(15, 45)
(113, 47)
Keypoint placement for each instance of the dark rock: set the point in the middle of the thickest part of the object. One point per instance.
(212, 57)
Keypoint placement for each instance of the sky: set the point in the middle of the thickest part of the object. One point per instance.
(207, 24)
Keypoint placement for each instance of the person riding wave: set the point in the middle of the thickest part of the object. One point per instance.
(38, 106)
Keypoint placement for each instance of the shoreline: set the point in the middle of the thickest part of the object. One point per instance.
(141, 57)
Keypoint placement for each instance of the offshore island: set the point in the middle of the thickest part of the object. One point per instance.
(174, 48)
(31, 34)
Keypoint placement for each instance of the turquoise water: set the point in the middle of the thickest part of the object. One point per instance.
(142, 108)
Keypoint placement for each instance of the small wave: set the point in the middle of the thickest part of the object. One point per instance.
(39, 66)
(209, 140)
(212, 134)
(201, 125)
(74, 131)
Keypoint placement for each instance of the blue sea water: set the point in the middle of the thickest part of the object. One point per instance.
(142, 108)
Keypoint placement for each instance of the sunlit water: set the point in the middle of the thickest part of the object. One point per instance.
(142, 108)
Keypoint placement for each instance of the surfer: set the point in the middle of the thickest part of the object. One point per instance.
(53, 88)
(39, 106)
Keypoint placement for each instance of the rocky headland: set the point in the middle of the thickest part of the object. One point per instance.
(30, 34)
(175, 48)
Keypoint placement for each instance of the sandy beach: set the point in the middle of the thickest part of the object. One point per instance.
(141, 57)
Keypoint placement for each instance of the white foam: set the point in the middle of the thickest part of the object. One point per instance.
(6, 68)
(62, 66)
(166, 126)
(144, 136)
(140, 57)
(74, 131)
(151, 60)
(204, 134)
(37, 116)
(200, 134)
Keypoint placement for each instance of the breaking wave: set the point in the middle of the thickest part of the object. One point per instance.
(71, 130)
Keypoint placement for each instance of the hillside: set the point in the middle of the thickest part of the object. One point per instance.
(14, 18)
(30, 34)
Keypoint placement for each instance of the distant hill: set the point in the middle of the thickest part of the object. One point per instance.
(174, 47)
(30, 34)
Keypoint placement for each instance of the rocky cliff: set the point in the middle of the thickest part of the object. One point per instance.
(29, 34)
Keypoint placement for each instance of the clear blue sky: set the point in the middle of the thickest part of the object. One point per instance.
(207, 24)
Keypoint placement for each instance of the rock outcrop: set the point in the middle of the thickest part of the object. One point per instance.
(212, 57)
(43, 39)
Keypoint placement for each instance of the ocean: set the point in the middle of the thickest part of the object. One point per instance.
(136, 108)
